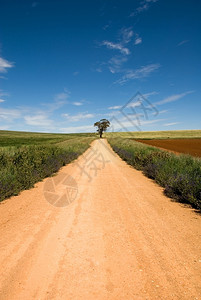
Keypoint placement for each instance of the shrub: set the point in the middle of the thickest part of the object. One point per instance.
(27, 165)
(180, 175)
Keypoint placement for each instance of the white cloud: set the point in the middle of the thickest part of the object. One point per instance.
(142, 72)
(126, 35)
(77, 103)
(116, 46)
(78, 117)
(4, 65)
(76, 73)
(115, 63)
(38, 120)
(60, 100)
(173, 98)
(163, 111)
(171, 124)
(144, 5)
(9, 114)
(2, 100)
(147, 95)
(138, 41)
(77, 129)
(115, 107)
(124, 125)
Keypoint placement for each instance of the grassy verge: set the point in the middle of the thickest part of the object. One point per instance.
(179, 175)
(23, 165)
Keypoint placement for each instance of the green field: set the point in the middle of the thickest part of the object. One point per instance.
(19, 138)
(177, 134)
(26, 158)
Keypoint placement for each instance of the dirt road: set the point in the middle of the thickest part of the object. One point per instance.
(121, 238)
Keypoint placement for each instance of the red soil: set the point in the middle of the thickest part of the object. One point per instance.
(187, 146)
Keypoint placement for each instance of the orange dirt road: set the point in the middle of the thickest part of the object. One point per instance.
(121, 238)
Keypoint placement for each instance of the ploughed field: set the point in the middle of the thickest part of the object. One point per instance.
(187, 146)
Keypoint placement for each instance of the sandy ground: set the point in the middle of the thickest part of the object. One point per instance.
(186, 146)
(121, 238)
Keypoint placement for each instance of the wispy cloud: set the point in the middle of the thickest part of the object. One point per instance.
(38, 120)
(173, 98)
(144, 5)
(9, 115)
(122, 124)
(59, 101)
(2, 100)
(163, 111)
(183, 42)
(4, 65)
(116, 62)
(115, 107)
(3, 94)
(138, 40)
(171, 124)
(126, 35)
(116, 46)
(77, 129)
(62, 96)
(147, 95)
(142, 72)
(78, 117)
(77, 103)
(133, 104)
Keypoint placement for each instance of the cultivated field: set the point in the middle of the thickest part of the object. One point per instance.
(190, 146)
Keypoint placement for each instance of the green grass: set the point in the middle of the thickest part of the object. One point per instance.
(176, 134)
(179, 175)
(26, 158)
(17, 138)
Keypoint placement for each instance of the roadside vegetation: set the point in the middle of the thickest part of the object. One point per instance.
(179, 175)
(26, 158)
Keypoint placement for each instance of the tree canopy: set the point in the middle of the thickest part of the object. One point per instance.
(102, 125)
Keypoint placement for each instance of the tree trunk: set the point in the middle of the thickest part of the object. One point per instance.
(101, 133)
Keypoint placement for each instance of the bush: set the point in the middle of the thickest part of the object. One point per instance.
(180, 175)
(21, 168)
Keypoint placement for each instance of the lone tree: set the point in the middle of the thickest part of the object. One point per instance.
(102, 125)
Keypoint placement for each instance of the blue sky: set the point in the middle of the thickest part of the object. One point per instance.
(66, 64)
